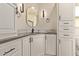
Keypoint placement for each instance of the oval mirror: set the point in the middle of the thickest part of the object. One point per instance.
(32, 16)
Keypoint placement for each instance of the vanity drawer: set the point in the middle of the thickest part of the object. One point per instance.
(66, 23)
(66, 35)
(7, 49)
(66, 29)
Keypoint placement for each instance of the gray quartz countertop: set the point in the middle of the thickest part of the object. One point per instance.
(4, 40)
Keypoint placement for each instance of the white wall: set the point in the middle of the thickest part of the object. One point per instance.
(52, 15)
(42, 25)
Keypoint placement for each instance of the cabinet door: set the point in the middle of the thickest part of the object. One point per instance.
(7, 18)
(26, 46)
(17, 53)
(9, 48)
(51, 44)
(66, 47)
(66, 11)
(38, 45)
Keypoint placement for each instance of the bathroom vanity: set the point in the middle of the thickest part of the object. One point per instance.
(29, 45)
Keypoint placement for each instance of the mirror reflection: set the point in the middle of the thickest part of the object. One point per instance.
(32, 16)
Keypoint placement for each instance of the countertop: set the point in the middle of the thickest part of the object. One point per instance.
(7, 39)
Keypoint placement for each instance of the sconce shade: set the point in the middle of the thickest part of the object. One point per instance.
(43, 13)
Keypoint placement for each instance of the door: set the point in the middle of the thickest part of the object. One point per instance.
(51, 44)
(66, 11)
(7, 18)
(26, 46)
(67, 47)
(66, 44)
(38, 45)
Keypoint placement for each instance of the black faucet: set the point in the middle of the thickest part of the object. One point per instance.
(32, 30)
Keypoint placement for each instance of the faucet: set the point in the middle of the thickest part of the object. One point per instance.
(32, 30)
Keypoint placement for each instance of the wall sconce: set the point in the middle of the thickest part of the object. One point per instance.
(44, 15)
(19, 9)
(16, 10)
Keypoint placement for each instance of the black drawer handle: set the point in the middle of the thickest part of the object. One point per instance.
(66, 29)
(66, 35)
(66, 23)
(9, 51)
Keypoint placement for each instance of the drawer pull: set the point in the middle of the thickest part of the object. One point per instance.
(9, 51)
(66, 35)
(66, 29)
(66, 23)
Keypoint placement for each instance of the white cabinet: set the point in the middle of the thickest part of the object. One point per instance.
(26, 45)
(34, 45)
(67, 47)
(66, 11)
(65, 36)
(7, 18)
(38, 45)
(51, 44)
(10, 48)
(66, 20)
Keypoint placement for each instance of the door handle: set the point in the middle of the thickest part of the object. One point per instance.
(9, 51)
(66, 35)
(31, 39)
(59, 41)
(59, 17)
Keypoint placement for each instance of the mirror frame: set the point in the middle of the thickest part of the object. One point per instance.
(37, 16)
